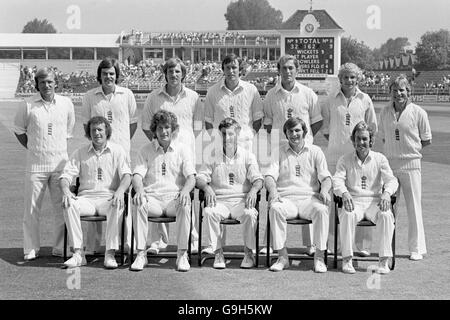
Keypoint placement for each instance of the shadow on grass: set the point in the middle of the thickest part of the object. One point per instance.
(45, 259)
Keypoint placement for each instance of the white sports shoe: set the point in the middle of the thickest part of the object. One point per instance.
(78, 259)
(183, 263)
(415, 256)
(249, 261)
(33, 254)
(156, 246)
(347, 266)
(383, 266)
(140, 262)
(319, 265)
(208, 250)
(264, 250)
(281, 264)
(219, 261)
(110, 261)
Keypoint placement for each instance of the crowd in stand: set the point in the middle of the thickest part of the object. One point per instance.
(147, 72)
(138, 37)
(80, 81)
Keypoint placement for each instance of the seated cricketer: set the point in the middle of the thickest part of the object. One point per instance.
(365, 182)
(104, 176)
(163, 178)
(231, 182)
(299, 185)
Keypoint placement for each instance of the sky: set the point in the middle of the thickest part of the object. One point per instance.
(370, 21)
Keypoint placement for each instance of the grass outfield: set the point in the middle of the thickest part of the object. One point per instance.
(44, 278)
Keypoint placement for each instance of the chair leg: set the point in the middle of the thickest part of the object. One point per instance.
(132, 242)
(268, 240)
(257, 240)
(393, 251)
(200, 220)
(65, 243)
(336, 221)
(122, 237)
(190, 236)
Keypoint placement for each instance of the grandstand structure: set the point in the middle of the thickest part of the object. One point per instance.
(313, 36)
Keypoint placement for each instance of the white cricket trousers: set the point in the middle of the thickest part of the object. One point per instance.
(91, 206)
(363, 235)
(233, 208)
(410, 182)
(158, 208)
(366, 209)
(95, 230)
(307, 208)
(35, 186)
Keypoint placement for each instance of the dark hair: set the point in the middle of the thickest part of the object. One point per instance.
(292, 122)
(97, 120)
(230, 58)
(163, 117)
(42, 73)
(173, 62)
(228, 123)
(362, 126)
(287, 58)
(106, 64)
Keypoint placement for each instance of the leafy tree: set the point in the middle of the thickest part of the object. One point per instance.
(433, 50)
(39, 26)
(252, 15)
(392, 47)
(358, 53)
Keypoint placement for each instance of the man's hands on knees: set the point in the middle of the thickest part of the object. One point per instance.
(139, 199)
(347, 201)
(385, 202)
(67, 199)
(274, 196)
(250, 199)
(184, 198)
(118, 200)
(210, 197)
(325, 197)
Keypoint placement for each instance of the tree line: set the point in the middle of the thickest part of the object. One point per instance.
(432, 51)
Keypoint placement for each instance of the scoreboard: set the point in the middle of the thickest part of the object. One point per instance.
(314, 54)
